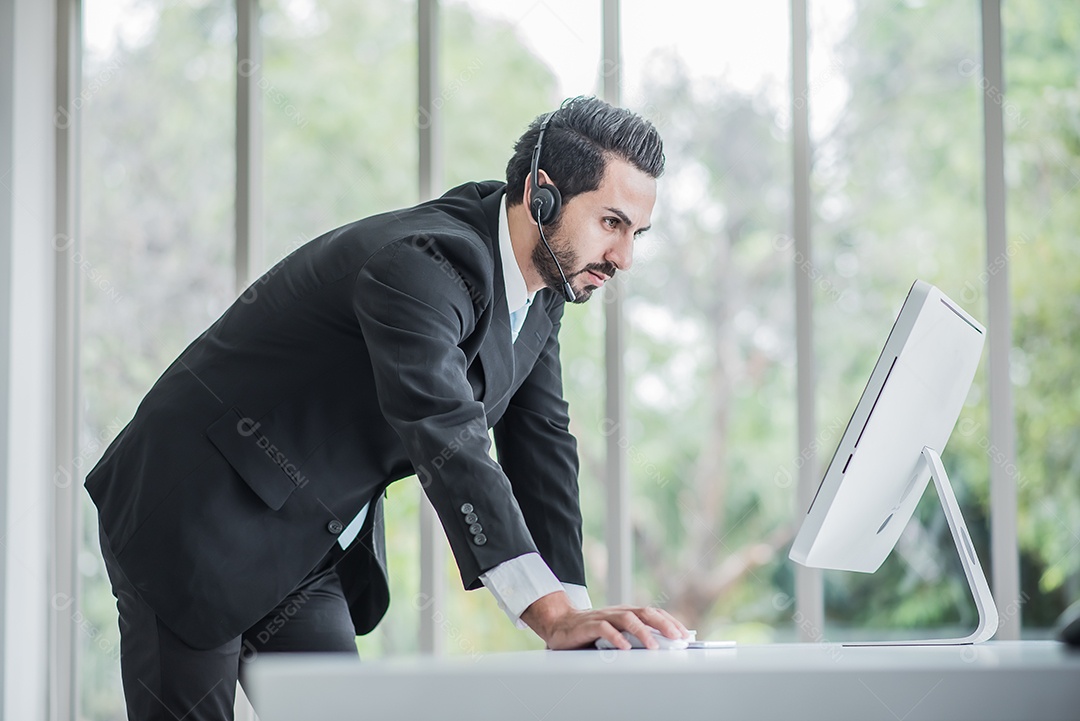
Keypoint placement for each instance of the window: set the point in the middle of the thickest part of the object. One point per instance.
(897, 183)
(710, 439)
(156, 224)
(503, 64)
(335, 151)
(1042, 166)
(710, 361)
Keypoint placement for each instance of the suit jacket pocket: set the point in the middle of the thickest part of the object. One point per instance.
(265, 468)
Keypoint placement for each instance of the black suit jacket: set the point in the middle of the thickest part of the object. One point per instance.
(377, 350)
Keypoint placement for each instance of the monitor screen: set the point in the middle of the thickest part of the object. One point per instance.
(912, 400)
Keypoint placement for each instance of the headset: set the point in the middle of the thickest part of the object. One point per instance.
(545, 204)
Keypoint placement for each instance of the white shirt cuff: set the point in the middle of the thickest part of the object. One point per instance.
(516, 584)
(579, 596)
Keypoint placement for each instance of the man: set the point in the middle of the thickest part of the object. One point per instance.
(240, 510)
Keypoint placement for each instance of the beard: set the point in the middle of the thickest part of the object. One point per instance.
(568, 259)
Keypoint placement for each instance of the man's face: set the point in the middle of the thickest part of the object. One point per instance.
(594, 234)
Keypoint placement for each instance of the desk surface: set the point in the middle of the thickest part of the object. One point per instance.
(995, 680)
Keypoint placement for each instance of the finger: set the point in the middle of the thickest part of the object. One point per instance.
(611, 634)
(683, 630)
(662, 623)
(665, 623)
(636, 625)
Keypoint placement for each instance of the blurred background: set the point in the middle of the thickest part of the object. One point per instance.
(896, 126)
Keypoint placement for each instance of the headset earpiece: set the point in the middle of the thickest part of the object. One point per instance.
(546, 202)
(546, 198)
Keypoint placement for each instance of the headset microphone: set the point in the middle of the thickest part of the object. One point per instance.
(568, 291)
(545, 205)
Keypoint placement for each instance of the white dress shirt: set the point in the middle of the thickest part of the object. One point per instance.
(516, 583)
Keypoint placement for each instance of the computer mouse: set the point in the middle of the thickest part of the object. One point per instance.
(663, 642)
(1068, 625)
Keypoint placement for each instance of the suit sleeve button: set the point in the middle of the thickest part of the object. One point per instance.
(471, 518)
(479, 539)
(335, 527)
(475, 528)
(466, 508)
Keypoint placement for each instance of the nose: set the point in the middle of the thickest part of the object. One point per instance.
(621, 254)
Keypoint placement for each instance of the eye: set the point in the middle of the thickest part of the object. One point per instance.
(611, 222)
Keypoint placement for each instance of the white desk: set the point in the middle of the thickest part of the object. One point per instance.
(997, 680)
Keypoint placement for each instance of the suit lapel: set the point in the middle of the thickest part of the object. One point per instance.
(496, 354)
(504, 363)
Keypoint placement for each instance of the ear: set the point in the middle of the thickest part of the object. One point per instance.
(526, 197)
(526, 192)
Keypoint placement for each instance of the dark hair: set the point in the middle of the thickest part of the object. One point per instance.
(580, 137)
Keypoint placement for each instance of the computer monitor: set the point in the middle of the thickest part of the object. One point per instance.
(891, 448)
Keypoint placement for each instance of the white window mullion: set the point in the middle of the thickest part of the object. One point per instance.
(429, 125)
(809, 588)
(67, 486)
(248, 255)
(616, 468)
(248, 260)
(1004, 552)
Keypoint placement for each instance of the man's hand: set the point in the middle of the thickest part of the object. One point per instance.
(562, 626)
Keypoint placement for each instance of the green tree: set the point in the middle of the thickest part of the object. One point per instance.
(897, 191)
(710, 360)
(1041, 105)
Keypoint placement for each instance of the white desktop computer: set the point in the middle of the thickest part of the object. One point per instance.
(891, 448)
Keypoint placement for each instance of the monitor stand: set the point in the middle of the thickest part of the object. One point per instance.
(980, 589)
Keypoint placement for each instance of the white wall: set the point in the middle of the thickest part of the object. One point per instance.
(27, 221)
